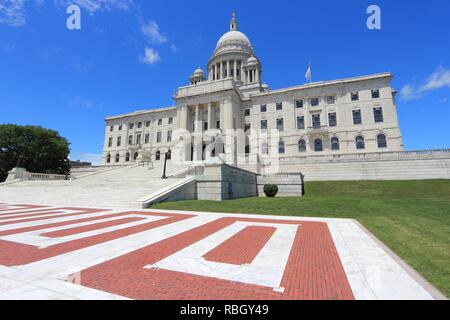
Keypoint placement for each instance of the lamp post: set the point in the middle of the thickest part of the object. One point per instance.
(165, 165)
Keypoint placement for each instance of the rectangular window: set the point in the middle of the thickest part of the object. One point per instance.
(247, 126)
(375, 94)
(332, 120)
(263, 108)
(170, 120)
(138, 138)
(111, 128)
(263, 124)
(130, 140)
(169, 136)
(299, 103)
(158, 137)
(119, 141)
(331, 100)
(316, 121)
(279, 106)
(265, 148)
(131, 126)
(147, 124)
(147, 138)
(218, 125)
(247, 112)
(378, 114)
(301, 122)
(139, 125)
(159, 122)
(280, 124)
(120, 128)
(355, 96)
(205, 126)
(314, 102)
(110, 141)
(357, 119)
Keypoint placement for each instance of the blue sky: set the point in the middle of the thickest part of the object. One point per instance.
(132, 55)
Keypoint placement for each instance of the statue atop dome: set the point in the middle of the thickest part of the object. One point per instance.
(233, 23)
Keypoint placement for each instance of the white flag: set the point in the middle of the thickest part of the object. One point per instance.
(308, 73)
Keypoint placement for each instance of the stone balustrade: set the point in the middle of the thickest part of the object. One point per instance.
(23, 174)
(392, 155)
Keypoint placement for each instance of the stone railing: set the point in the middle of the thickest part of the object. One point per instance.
(46, 176)
(419, 154)
(289, 184)
(23, 174)
(193, 170)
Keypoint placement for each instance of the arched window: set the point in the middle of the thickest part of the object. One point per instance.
(127, 157)
(318, 146)
(169, 155)
(158, 155)
(301, 145)
(108, 158)
(381, 140)
(135, 156)
(360, 144)
(281, 147)
(117, 157)
(335, 144)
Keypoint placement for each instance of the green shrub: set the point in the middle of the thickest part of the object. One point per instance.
(270, 190)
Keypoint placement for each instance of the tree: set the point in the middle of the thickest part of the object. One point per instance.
(34, 148)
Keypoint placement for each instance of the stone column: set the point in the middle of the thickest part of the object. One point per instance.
(221, 70)
(211, 124)
(198, 134)
(227, 118)
(228, 69)
(184, 124)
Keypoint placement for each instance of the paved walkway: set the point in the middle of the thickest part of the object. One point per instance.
(58, 252)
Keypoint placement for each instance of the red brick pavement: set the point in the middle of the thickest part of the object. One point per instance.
(91, 227)
(313, 271)
(243, 247)
(14, 254)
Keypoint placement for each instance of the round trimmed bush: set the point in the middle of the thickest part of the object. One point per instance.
(270, 190)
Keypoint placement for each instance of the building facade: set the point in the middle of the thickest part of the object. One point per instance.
(231, 113)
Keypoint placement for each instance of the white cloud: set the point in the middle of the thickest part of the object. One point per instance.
(173, 48)
(12, 12)
(440, 78)
(150, 56)
(152, 33)
(95, 5)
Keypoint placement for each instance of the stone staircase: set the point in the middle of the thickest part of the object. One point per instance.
(117, 187)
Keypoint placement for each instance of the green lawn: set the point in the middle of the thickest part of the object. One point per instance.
(411, 217)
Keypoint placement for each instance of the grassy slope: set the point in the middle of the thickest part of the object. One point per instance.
(411, 217)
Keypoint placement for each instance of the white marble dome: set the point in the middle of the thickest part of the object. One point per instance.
(233, 36)
(252, 61)
(198, 72)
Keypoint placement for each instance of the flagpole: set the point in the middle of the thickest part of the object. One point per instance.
(310, 73)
